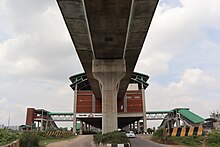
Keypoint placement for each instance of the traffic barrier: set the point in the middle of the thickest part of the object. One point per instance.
(185, 131)
(114, 145)
(13, 144)
(59, 133)
(118, 145)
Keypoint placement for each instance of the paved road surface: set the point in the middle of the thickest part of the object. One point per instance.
(87, 141)
(143, 141)
(80, 141)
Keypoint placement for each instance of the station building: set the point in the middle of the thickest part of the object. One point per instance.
(131, 108)
(87, 109)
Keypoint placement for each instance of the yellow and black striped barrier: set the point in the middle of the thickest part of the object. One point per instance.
(59, 133)
(185, 131)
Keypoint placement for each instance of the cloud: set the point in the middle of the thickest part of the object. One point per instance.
(193, 90)
(181, 32)
(155, 63)
(181, 54)
(39, 40)
(36, 59)
(192, 79)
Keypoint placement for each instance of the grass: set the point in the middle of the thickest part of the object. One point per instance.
(187, 140)
(45, 141)
(213, 139)
(7, 136)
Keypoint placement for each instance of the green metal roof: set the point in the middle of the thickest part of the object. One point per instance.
(191, 116)
(83, 84)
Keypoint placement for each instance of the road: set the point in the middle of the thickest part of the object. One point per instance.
(87, 141)
(79, 141)
(144, 141)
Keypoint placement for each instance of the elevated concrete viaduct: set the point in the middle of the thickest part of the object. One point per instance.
(108, 36)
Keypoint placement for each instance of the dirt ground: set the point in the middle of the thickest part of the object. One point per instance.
(78, 141)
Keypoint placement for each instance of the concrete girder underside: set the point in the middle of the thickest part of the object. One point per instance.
(108, 29)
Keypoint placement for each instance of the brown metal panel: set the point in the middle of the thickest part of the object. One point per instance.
(30, 116)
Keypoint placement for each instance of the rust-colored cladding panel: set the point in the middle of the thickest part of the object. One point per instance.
(82, 92)
(84, 102)
(98, 109)
(134, 101)
(30, 116)
(84, 97)
(134, 108)
(84, 109)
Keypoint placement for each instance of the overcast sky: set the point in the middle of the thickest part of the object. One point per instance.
(181, 55)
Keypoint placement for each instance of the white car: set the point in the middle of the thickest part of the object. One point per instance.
(130, 134)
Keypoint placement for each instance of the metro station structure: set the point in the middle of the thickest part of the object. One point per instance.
(130, 108)
(108, 36)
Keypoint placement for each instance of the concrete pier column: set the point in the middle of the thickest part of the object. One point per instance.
(134, 126)
(127, 127)
(144, 110)
(38, 126)
(42, 121)
(89, 128)
(109, 73)
(81, 128)
(86, 126)
(74, 110)
(138, 126)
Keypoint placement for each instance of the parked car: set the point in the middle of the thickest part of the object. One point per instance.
(130, 134)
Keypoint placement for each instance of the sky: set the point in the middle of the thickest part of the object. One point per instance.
(181, 54)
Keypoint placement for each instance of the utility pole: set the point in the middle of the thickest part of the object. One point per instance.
(8, 121)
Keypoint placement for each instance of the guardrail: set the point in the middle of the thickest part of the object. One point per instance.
(13, 144)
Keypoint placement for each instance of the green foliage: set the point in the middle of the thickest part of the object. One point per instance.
(158, 133)
(213, 139)
(44, 141)
(186, 140)
(111, 137)
(28, 139)
(7, 136)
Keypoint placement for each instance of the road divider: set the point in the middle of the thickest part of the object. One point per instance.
(184, 131)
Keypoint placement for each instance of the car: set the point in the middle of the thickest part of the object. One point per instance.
(130, 134)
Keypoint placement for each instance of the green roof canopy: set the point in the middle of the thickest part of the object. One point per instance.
(191, 116)
(83, 84)
(60, 113)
